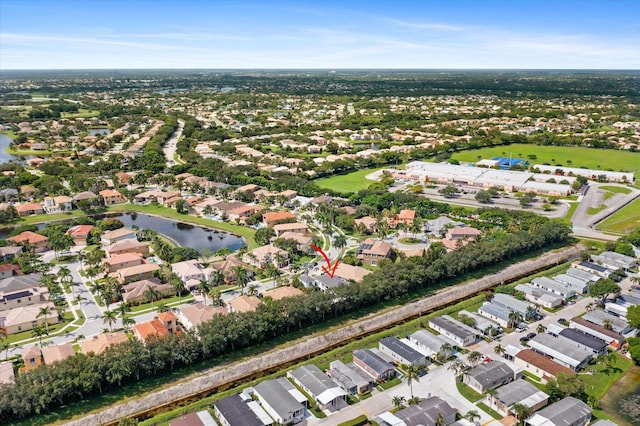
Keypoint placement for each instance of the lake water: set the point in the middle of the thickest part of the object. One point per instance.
(5, 141)
(622, 401)
(94, 132)
(184, 234)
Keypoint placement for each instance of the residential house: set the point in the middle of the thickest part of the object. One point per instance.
(100, 343)
(322, 282)
(15, 294)
(145, 330)
(191, 272)
(273, 218)
(461, 334)
(348, 378)
(371, 251)
(59, 204)
(29, 209)
(9, 253)
(622, 261)
(243, 304)
(368, 222)
(303, 241)
(613, 339)
(431, 343)
(136, 273)
(566, 412)
(462, 233)
(262, 256)
(7, 375)
(490, 375)
(111, 237)
(373, 365)
(588, 277)
(602, 318)
(406, 216)
(191, 316)
(25, 318)
(540, 296)
(295, 227)
(527, 310)
(440, 225)
(228, 268)
(57, 353)
(79, 233)
(279, 403)
(233, 411)
(481, 323)
(556, 287)
(561, 350)
(540, 365)
(129, 245)
(326, 392)
(201, 418)
(577, 284)
(29, 238)
(32, 357)
(7, 270)
(585, 341)
(517, 392)
(135, 292)
(401, 352)
(350, 273)
(431, 411)
(112, 197)
(85, 195)
(242, 213)
(120, 261)
(283, 292)
(593, 268)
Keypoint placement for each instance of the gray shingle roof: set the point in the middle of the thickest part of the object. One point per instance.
(278, 398)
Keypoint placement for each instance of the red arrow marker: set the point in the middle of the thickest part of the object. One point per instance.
(327, 269)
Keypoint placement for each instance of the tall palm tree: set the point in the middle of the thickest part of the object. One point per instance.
(491, 392)
(110, 318)
(240, 276)
(412, 373)
(446, 349)
(44, 312)
(216, 296)
(474, 358)
(541, 329)
(472, 416)
(340, 241)
(39, 331)
(217, 278)
(123, 308)
(499, 350)
(252, 290)
(514, 318)
(203, 286)
(521, 411)
(178, 287)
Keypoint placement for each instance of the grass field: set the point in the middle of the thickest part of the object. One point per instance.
(350, 182)
(615, 189)
(623, 221)
(561, 155)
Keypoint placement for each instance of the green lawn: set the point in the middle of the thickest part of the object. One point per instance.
(590, 158)
(489, 411)
(350, 182)
(82, 113)
(242, 231)
(623, 221)
(616, 189)
(468, 393)
(572, 209)
(598, 383)
(39, 218)
(164, 301)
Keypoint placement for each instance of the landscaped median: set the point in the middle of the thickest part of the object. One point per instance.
(247, 233)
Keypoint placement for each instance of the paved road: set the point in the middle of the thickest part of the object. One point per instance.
(170, 145)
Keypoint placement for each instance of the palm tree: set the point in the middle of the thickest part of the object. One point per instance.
(252, 290)
(39, 331)
(44, 312)
(514, 318)
(240, 276)
(491, 392)
(499, 350)
(521, 411)
(414, 400)
(123, 309)
(472, 416)
(110, 318)
(340, 241)
(474, 358)
(162, 307)
(412, 372)
(217, 278)
(5, 347)
(216, 296)
(445, 351)
(150, 293)
(3, 333)
(606, 324)
(440, 420)
(398, 402)
(541, 329)
(127, 321)
(203, 286)
(64, 275)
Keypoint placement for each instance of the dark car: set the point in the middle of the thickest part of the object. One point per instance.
(524, 339)
(531, 335)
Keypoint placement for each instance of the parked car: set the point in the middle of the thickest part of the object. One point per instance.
(524, 339)
(531, 336)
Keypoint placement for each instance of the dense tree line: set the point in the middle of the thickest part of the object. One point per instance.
(51, 386)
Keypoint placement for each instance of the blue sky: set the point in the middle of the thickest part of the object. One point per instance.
(70, 34)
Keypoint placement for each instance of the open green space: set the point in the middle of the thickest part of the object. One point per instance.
(163, 301)
(624, 220)
(489, 411)
(242, 231)
(82, 113)
(468, 393)
(615, 189)
(566, 156)
(348, 182)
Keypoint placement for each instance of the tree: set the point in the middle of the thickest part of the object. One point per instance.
(151, 294)
(240, 276)
(203, 287)
(633, 316)
(602, 288)
(252, 290)
(541, 329)
(472, 416)
(445, 351)
(110, 318)
(521, 412)
(264, 235)
(414, 400)
(44, 312)
(491, 395)
(526, 199)
(39, 331)
(499, 350)
(514, 318)
(339, 241)
(483, 197)
(448, 191)
(398, 402)
(475, 357)
(412, 373)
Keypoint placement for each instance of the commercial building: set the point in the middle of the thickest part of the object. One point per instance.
(588, 173)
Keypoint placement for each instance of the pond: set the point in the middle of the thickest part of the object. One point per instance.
(622, 401)
(5, 141)
(184, 234)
